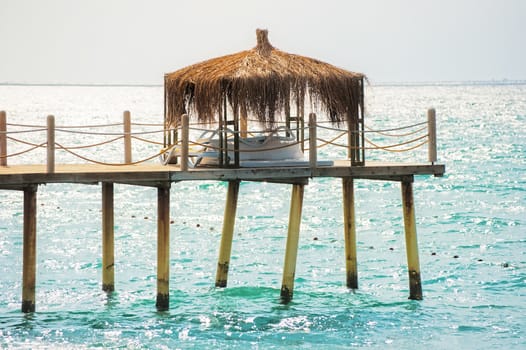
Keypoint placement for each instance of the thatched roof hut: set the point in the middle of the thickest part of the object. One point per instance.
(263, 81)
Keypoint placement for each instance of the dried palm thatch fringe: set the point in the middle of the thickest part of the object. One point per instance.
(264, 81)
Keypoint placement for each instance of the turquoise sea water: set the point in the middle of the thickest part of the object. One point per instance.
(471, 230)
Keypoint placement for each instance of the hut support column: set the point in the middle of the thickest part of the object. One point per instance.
(29, 250)
(163, 247)
(3, 139)
(184, 142)
(243, 121)
(349, 224)
(291, 251)
(413, 264)
(108, 259)
(227, 234)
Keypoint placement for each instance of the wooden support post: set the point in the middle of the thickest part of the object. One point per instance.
(349, 224)
(413, 264)
(291, 251)
(184, 142)
(126, 120)
(30, 249)
(432, 135)
(227, 235)
(313, 150)
(108, 259)
(3, 139)
(50, 144)
(163, 248)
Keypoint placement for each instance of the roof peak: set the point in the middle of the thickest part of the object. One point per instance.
(263, 45)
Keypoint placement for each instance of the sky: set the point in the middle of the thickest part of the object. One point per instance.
(137, 42)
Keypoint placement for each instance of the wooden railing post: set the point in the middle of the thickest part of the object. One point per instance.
(3, 139)
(313, 151)
(126, 120)
(184, 142)
(50, 144)
(432, 135)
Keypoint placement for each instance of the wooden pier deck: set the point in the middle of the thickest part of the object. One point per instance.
(14, 176)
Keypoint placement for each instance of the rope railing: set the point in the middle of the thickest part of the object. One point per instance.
(21, 131)
(428, 138)
(370, 130)
(109, 133)
(23, 152)
(94, 144)
(23, 142)
(109, 164)
(84, 126)
(399, 128)
(385, 148)
(147, 124)
(375, 146)
(391, 148)
(398, 135)
(147, 141)
(65, 126)
(395, 145)
(331, 142)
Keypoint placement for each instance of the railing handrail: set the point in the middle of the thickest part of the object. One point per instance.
(427, 138)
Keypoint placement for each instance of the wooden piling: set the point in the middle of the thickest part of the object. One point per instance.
(291, 250)
(50, 144)
(126, 120)
(108, 258)
(163, 248)
(227, 234)
(349, 225)
(3, 139)
(184, 142)
(432, 135)
(313, 150)
(413, 264)
(29, 249)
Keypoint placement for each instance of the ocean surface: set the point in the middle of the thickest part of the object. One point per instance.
(471, 227)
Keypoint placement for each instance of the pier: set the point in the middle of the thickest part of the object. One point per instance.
(244, 101)
(28, 177)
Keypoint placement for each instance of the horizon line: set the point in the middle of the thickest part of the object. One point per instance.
(384, 83)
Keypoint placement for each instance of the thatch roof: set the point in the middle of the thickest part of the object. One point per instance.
(264, 81)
